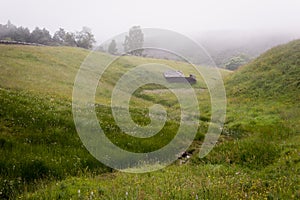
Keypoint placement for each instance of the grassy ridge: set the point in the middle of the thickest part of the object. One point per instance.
(275, 74)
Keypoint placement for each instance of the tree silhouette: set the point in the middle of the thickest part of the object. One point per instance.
(134, 41)
(112, 48)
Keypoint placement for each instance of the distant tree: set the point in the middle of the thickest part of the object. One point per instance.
(237, 61)
(70, 39)
(134, 41)
(112, 48)
(7, 31)
(59, 36)
(40, 36)
(21, 34)
(85, 38)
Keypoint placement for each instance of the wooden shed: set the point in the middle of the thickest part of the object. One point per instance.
(173, 76)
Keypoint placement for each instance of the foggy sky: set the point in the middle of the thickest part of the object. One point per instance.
(111, 17)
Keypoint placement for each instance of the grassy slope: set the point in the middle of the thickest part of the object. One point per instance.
(275, 74)
(46, 70)
(51, 70)
(38, 141)
(269, 85)
(261, 159)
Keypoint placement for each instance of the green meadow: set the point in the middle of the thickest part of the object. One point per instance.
(42, 157)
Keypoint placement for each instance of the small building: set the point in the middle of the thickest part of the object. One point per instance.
(173, 76)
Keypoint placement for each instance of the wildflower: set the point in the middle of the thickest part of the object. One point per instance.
(91, 195)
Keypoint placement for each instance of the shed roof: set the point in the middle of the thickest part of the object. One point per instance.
(173, 73)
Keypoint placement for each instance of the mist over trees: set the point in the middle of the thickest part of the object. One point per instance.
(237, 61)
(112, 48)
(134, 41)
(40, 36)
(228, 49)
(232, 48)
(83, 39)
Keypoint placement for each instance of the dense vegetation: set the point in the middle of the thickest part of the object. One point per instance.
(84, 38)
(237, 61)
(42, 156)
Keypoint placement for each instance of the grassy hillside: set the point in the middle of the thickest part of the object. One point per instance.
(42, 157)
(266, 91)
(46, 70)
(38, 141)
(275, 74)
(52, 70)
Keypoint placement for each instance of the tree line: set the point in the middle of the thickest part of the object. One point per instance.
(133, 42)
(84, 38)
